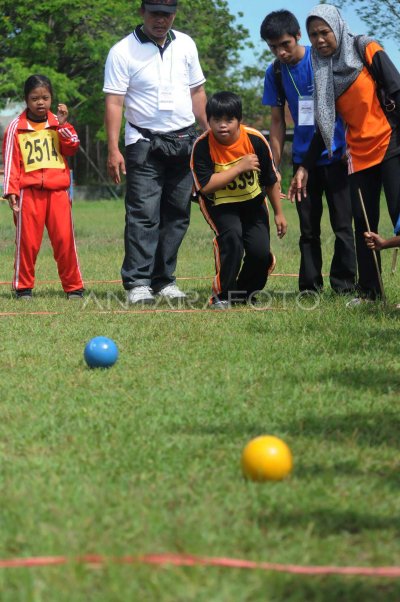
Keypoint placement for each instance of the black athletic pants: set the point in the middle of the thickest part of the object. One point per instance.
(333, 180)
(242, 235)
(370, 182)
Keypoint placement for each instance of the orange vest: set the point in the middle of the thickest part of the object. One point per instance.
(368, 131)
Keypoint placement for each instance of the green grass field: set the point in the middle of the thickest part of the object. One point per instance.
(145, 457)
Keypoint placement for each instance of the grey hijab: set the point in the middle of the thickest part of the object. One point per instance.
(334, 74)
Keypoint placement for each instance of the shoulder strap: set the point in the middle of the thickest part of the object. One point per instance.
(277, 67)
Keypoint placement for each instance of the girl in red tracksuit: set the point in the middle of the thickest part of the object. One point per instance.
(36, 184)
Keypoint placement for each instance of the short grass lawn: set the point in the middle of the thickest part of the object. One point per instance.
(145, 457)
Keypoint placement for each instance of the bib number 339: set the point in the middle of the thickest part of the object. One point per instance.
(41, 150)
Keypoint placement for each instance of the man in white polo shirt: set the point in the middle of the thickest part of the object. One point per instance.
(155, 73)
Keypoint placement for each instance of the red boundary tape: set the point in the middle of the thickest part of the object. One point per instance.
(189, 560)
(137, 311)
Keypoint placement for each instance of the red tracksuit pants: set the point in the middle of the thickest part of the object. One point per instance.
(50, 208)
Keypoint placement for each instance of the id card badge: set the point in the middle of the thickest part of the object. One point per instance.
(166, 97)
(306, 110)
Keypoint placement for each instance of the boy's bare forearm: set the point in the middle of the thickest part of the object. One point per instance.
(391, 243)
(220, 180)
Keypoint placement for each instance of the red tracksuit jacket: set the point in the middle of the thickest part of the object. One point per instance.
(15, 175)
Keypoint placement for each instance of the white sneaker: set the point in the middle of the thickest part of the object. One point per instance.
(171, 291)
(219, 304)
(358, 301)
(140, 294)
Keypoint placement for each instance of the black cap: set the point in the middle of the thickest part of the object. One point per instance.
(162, 6)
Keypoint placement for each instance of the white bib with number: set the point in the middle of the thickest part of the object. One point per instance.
(244, 187)
(41, 150)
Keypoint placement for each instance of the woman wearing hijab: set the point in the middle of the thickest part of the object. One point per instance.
(350, 72)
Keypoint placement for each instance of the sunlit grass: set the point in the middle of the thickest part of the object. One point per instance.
(144, 457)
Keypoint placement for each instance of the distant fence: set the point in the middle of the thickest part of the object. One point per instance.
(289, 134)
(95, 192)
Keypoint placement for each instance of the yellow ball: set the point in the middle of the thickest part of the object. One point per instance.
(266, 458)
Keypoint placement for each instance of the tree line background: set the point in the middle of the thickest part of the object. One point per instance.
(69, 42)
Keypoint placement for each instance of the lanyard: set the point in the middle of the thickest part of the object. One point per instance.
(293, 82)
(305, 106)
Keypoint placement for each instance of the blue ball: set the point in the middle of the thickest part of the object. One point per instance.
(101, 352)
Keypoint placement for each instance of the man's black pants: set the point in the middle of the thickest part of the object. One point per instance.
(157, 206)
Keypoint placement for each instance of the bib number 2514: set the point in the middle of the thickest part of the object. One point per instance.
(41, 150)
